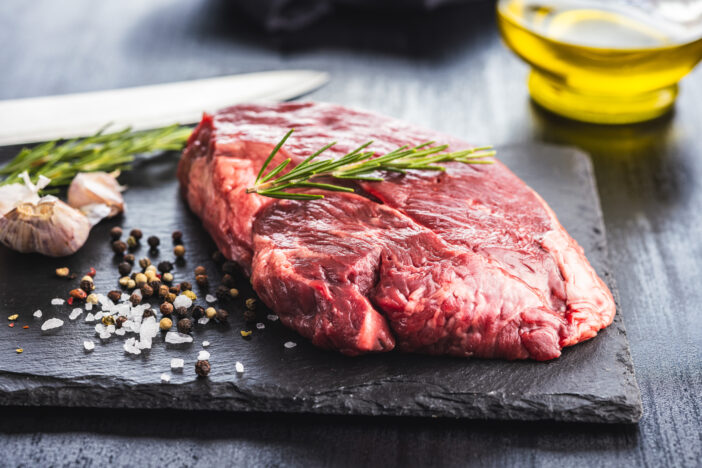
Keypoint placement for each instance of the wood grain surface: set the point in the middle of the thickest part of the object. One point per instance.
(447, 70)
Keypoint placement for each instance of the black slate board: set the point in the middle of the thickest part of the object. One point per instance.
(593, 381)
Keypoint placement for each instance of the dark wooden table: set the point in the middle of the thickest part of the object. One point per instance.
(447, 70)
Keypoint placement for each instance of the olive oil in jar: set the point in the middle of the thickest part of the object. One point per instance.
(605, 62)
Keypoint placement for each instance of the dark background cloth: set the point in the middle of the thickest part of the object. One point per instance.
(290, 15)
(447, 70)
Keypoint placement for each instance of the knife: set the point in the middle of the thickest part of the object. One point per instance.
(73, 115)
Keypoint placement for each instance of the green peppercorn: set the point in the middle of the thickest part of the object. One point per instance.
(132, 242)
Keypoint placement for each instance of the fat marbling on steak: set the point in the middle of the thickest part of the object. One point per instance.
(469, 262)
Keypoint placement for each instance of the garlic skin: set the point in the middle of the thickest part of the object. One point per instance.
(49, 227)
(96, 188)
(12, 195)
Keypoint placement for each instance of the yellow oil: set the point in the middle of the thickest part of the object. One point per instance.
(602, 62)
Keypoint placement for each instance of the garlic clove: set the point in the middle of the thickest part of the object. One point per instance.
(93, 188)
(49, 227)
(12, 195)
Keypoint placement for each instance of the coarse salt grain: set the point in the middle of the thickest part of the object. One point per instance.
(290, 344)
(182, 301)
(130, 346)
(57, 301)
(177, 363)
(272, 317)
(203, 320)
(165, 378)
(90, 318)
(51, 324)
(120, 332)
(260, 326)
(89, 345)
(203, 356)
(124, 297)
(75, 313)
(205, 344)
(177, 338)
(37, 314)
(239, 367)
(210, 298)
(88, 306)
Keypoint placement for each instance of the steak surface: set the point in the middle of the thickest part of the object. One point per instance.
(469, 262)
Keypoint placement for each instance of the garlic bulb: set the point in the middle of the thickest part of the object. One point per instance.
(96, 188)
(12, 195)
(49, 227)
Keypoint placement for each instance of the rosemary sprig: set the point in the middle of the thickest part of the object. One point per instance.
(62, 160)
(359, 164)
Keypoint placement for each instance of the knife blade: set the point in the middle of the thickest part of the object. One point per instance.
(74, 115)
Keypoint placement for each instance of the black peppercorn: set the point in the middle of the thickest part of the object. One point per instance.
(87, 286)
(148, 313)
(124, 268)
(182, 311)
(177, 236)
(249, 315)
(198, 312)
(153, 242)
(202, 368)
(185, 325)
(129, 258)
(201, 280)
(200, 270)
(166, 309)
(228, 280)
(114, 296)
(222, 315)
(217, 257)
(175, 289)
(222, 293)
(147, 291)
(186, 286)
(135, 298)
(120, 321)
(155, 284)
(116, 233)
(136, 233)
(229, 267)
(164, 267)
(119, 247)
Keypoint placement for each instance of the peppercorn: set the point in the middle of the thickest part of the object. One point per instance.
(151, 276)
(163, 291)
(151, 268)
(165, 267)
(119, 247)
(186, 286)
(148, 313)
(165, 324)
(228, 280)
(198, 312)
(175, 289)
(155, 285)
(179, 250)
(87, 286)
(62, 272)
(108, 320)
(78, 294)
(132, 242)
(144, 262)
(250, 303)
(217, 257)
(116, 233)
(177, 236)
(136, 234)
(222, 315)
(135, 298)
(124, 268)
(131, 284)
(185, 325)
(229, 267)
(171, 297)
(200, 270)
(123, 281)
(210, 312)
(222, 292)
(182, 311)
(190, 295)
(201, 280)
(92, 299)
(249, 315)
(167, 277)
(147, 291)
(153, 242)
(202, 368)
(140, 279)
(120, 321)
(166, 309)
(234, 292)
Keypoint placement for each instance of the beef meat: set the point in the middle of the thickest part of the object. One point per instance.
(469, 262)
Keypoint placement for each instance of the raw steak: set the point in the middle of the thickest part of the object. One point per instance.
(470, 262)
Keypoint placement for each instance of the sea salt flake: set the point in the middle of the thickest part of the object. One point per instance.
(130, 346)
(165, 378)
(290, 344)
(177, 363)
(90, 318)
(205, 344)
(203, 320)
(51, 324)
(210, 298)
(88, 306)
(57, 301)
(37, 313)
(177, 338)
(260, 326)
(75, 313)
(120, 331)
(272, 317)
(89, 345)
(182, 301)
(239, 367)
(203, 356)
(100, 315)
